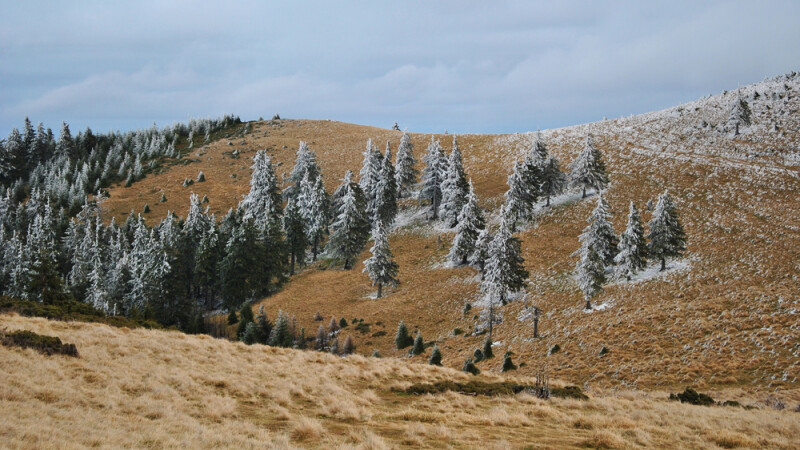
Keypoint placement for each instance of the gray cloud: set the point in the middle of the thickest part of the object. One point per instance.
(462, 66)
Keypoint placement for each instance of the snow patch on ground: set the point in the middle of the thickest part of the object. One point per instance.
(654, 271)
(606, 305)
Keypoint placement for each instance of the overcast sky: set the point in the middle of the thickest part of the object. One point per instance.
(488, 66)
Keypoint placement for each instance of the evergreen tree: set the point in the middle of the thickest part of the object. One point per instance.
(508, 365)
(419, 345)
(504, 272)
(588, 170)
(600, 233)
(386, 200)
(281, 335)
(239, 267)
(667, 238)
(432, 176)
(470, 224)
(487, 348)
(590, 273)
(245, 318)
(436, 356)
(632, 254)
(470, 367)
(554, 181)
(300, 342)
(263, 203)
(370, 177)
(295, 229)
(264, 326)
(402, 339)
(15, 156)
(405, 171)
(455, 188)
(305, 166)
(313, 206)
(322, 339)
(481, 252)
(350, 229)
(232, 319)
(381, 267)
(522, 194)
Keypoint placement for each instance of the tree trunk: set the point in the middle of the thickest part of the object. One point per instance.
(491, 318)
(548, 201)
(316, 247)
(380, 289)
(536, 325)
(584, 192)
(588, 303)
(291, 263)
(663, 264)
(463, 260)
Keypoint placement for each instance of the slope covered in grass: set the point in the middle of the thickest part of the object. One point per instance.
(149, 388)
(727, 316)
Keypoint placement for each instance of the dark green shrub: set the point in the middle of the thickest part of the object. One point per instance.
(477, 355)
(419, 345)
(469, 367)
(508, 365)
(487, 349)
(457, 331)
(343, 323)
(48, 345)
(232, 319)
(402, 339)
(554, 349)
(692, 397)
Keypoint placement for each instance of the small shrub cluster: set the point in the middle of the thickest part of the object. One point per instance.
(48, 345)
(692, 397)
(70, 310)
(489, 389)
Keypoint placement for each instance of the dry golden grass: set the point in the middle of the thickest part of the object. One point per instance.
(726, 322)
(144, 388)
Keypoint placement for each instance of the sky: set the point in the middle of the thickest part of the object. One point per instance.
(430, 66)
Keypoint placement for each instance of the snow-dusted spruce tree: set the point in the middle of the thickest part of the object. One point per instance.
(405, 172)
(739, 116)
(386, 199)
(599, 234)
(305, 165)
(470, 224)
(381, 267)
(370, 176)
(263, 203)
(632, 247)
(588, 170)
(590, 274)
(522, 193)
(350, 228)
(554, 181)
(454, 188)
(432, 177)
(667, 238)
(295, 230)
(503, 272)
(148, 268)
(481, 252)
(312, 205)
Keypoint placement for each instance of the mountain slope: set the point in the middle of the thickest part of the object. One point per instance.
(726, 315)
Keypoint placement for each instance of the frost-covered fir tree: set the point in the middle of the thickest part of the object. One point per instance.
(470, 224)
(481, 252)
(600, 234)
(590, 274)
(305, 165)
(386, 199)
(148, 268)
(632, 254)
(381, 267)
(370, 177)
(588, 170)
(667, 238)
(295, 228)
(350, 228)
(504, 272)
(522, 193)
(432, 176)
(312, 205)
(739, 116)
(454, 188)
(263, 203)
(554, 181)
(405, 172)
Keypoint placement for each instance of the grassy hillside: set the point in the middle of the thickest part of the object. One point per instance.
(148, 388)
(726, 315)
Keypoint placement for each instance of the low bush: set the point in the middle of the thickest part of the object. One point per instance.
(692, 397)
(48, 345)
(70, 310)
(488, 389)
